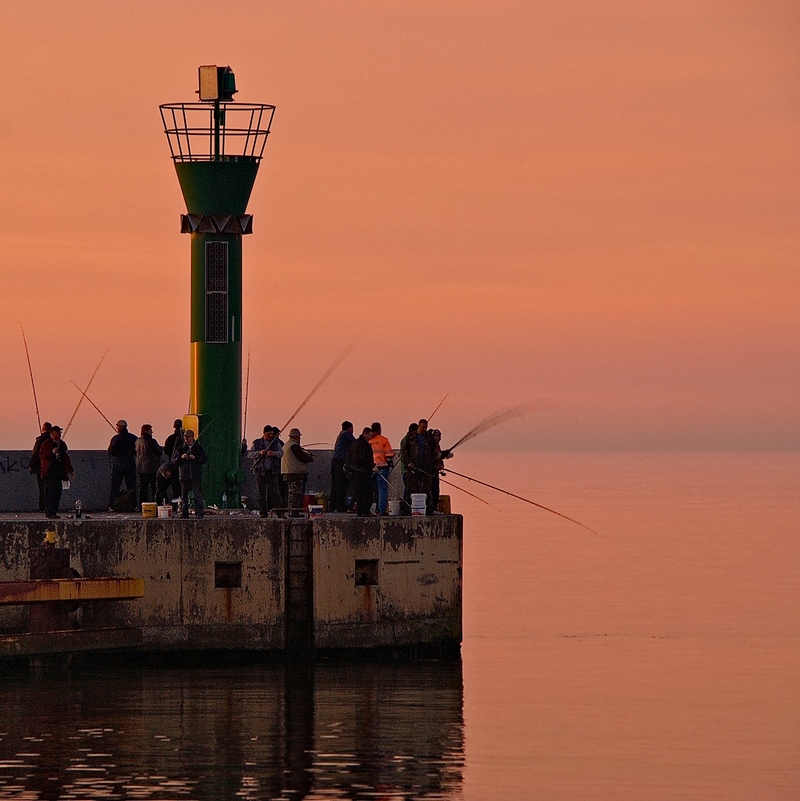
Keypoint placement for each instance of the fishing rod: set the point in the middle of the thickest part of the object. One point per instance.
(246, 395)
(339, 359)
(30, 371)
(430, 416)
(449, 484)
(504, 415)
(527, 500)
(83, 395)
(472, 494)
(93, 404)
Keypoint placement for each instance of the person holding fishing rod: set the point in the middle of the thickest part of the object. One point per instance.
(266, 453)
(420, 455)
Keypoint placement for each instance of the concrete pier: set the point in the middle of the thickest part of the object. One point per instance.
(238, 582)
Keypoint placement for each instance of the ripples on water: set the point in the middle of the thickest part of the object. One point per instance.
(348, 731)
(657, 660)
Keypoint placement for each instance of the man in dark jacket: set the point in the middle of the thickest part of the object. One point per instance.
(421, 456)
(339, 480)
(360, 466)
(122, 450)
(171, 442)
(35, 463)
(55, 467)
(190, 458)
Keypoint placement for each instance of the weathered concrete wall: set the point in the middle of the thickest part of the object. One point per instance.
(386, 581)
(92, 483)
(373, 582)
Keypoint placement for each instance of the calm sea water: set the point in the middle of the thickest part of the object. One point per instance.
(657, 659)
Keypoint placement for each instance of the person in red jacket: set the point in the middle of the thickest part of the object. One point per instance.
(55, 467)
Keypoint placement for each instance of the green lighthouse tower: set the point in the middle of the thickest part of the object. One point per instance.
(217, 146)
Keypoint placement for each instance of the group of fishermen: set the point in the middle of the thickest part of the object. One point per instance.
(131, 456)
(360, 468)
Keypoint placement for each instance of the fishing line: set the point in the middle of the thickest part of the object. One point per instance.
(83, 395)
(93, 404)
(527, 500)
(430, 416)
(339, 359)
(504, 415)
(30, 371)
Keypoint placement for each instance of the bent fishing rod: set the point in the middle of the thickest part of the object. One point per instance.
(326, 375)
(30, 371)
(93, 404)
(504, 415)
(527, 500)
(83, 391)
(430, 416)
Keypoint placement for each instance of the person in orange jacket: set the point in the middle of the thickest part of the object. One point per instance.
(383, 456)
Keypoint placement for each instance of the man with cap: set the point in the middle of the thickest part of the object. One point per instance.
(266, 453)
(122, 450)
(190, 458)
(55, 466)
(294, 467)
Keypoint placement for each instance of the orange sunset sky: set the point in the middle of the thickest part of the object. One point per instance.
(593, 202)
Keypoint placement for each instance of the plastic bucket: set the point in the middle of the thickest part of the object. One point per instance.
(393, 507)
(308, 499)
(165, 511)
(315, 510)
(418, 500)
(149, 509)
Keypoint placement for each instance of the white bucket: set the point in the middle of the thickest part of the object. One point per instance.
(418, 500)
(315, 510)
(393, 507)
(165, 511)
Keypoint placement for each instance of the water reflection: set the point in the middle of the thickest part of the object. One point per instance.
(356, 731)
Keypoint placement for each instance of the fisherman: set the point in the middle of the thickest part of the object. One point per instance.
(190, 458)
(412, 430)
(294, 468)
(35, 463)
(55, 467)
(276, 436)
(266, 453)
(339, 480)
(360, 466)
(148, 460)
(435, 491)
(421, 459)
(383, 456)
(171, 443)
(122, 450)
